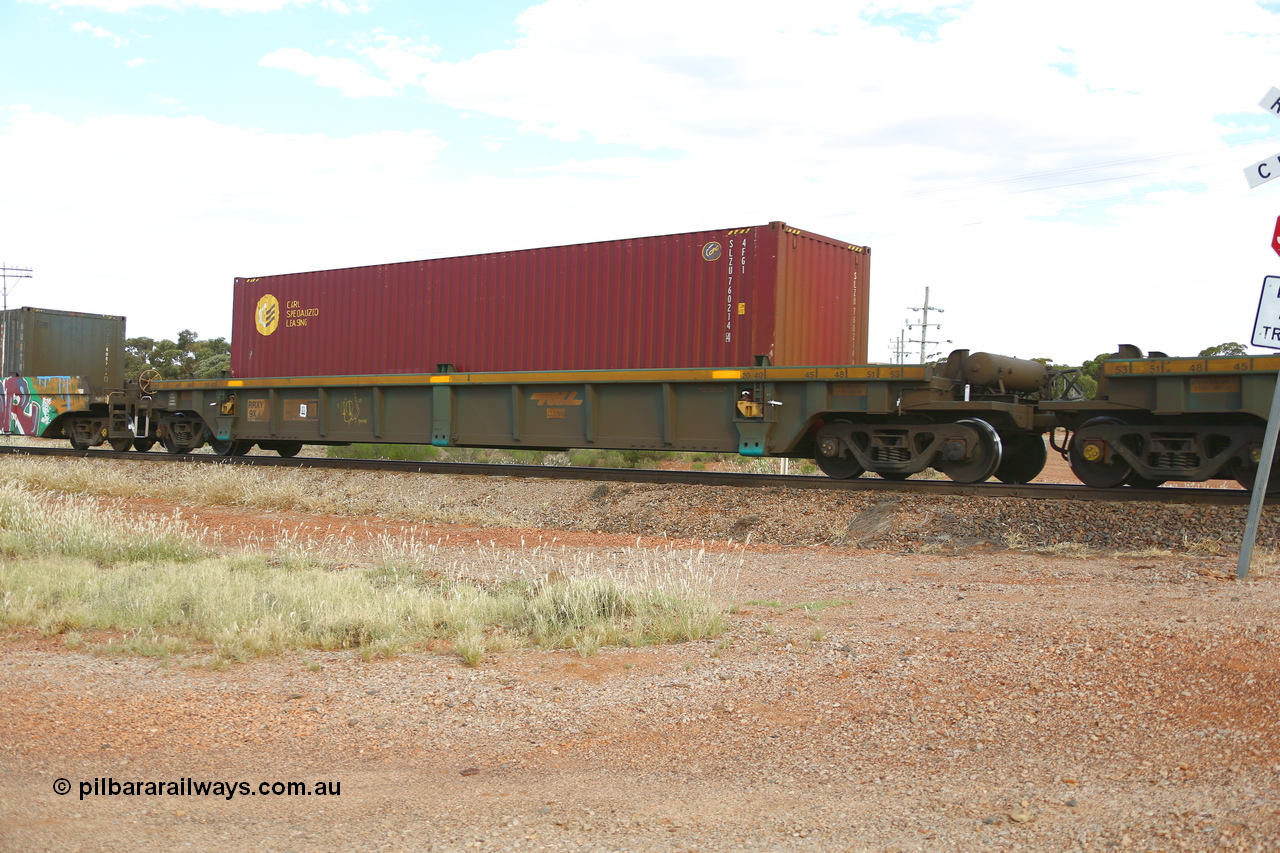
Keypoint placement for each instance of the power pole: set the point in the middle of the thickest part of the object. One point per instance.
(923, 326)
(7, 272)
(899, 346)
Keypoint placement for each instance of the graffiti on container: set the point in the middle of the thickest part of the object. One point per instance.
(351, 411)
(31, 403)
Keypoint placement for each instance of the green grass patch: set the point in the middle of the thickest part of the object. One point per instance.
(808, 606)
(816, 606)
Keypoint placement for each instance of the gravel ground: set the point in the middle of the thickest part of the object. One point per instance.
(892, 679)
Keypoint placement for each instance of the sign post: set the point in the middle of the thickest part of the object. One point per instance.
(1266, 334)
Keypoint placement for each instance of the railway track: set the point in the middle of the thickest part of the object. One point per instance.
(1038, 491)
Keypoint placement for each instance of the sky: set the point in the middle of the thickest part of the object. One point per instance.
(1061, 177)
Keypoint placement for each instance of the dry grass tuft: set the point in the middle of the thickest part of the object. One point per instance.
(76, 566)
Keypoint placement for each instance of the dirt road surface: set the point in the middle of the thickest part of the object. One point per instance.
(877, 700)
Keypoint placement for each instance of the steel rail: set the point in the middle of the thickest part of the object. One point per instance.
(1036, 491)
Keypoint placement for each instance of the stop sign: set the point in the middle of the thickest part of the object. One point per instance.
(1275, 237)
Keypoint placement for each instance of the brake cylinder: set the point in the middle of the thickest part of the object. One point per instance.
(989, 370)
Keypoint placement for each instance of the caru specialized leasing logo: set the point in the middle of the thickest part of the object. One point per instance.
(267, 315)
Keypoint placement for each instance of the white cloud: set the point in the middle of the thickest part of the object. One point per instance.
(398, 63)
(82, 27)
(228, 6)
(136, 62)
(346, 75)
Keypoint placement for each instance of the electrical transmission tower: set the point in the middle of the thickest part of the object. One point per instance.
(923, 326)
(898, 346)
(7, 272)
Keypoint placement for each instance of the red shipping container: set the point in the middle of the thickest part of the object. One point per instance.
(706, 299)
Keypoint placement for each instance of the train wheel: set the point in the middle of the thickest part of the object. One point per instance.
(1087, 461)
(834, 466)
(85, 440)
(895, 476)
(983, 459)
(231, 448)
(827, 456)
(288, 448)
(1247, 475)
(1023, 458)
(839, 467)
(142, 445)
(121, 445)
(170, 445)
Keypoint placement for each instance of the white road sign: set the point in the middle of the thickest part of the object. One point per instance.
(1259, 173)
(1266, 326)
(1271, 103)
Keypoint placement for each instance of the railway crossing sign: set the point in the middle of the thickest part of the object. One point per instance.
(1266, 324)
(1259, 173)
(1271, 101)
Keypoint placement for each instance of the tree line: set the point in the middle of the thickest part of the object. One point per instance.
(188, 357)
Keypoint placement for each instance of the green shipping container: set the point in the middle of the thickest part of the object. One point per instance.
(39, 342)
